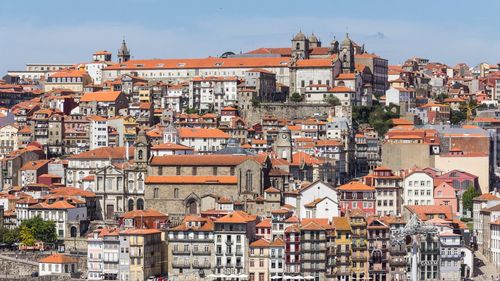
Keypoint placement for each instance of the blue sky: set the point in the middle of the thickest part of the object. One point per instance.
(69, 31)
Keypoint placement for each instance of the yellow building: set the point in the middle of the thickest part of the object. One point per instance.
(69, 79)
(142, 254)
(259, 260)
(343, 240)
(359, 253)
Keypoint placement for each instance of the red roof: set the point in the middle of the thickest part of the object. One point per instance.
(58, 259)
(191, 180)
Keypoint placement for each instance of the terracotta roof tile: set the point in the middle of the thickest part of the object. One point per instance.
(58, 259)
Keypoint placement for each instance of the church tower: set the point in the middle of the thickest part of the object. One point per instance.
(300, 46)
(314, 42)
(123, 53)
(141, 149)
(284, 144)
(347, 55)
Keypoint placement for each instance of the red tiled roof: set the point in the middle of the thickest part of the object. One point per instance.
(58, 259)
(191, 180)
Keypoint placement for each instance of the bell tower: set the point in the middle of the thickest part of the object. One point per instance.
(123, 53)
(141, 149)
(283, 144)
(347, 55)
(300, 46)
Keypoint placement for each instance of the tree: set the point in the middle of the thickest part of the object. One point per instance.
(457, 116)
(36, 229)
(255, 102)
(9, 236)
(332, 100)
(191, 110)
(296, 97)
(441, 97)
(467, 197)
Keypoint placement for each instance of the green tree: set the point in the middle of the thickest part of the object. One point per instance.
(255, 102)
(458, 116)
(191, 110)
(441, 97)
(332, 100)
(467, 197)
(36, 229)
(9, 236)
(296, 97)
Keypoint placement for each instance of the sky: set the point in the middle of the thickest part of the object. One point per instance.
(56, 31)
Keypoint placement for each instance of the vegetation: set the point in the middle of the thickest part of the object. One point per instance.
(467, 197)
(332, 100)
(36, 229)
(191, 110)
(378, 116)
(255, 102)
(441, 97)
(296, 97)
(9, 236)
(458, 116)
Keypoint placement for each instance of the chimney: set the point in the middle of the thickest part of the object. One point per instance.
(126, 151)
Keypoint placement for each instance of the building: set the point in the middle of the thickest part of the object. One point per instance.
(418, 188)
(343, 241)
(105, 103)
(103, 251)
(317, 236)
(356, 195)
(68, 79)
(233, 233)
(191, 249)
(450, 266)
(142, 254)
(388, 188)
(57, 264)
(445, 195)
(259, 260)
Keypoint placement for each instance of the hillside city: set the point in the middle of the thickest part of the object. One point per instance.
(311, 161)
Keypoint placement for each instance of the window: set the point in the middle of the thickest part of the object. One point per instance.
(176, 193)
(155, 192)
(248, 181)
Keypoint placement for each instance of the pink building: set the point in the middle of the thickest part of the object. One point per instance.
(460, 180)
(444, 195)
(357, 195)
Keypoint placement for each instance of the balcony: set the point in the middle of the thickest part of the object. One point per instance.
(180, 251)
(397, 262)
(342, 272)
(180, 264)
(201, 252)
(201, 265)
(397, 252)
(359, 257)
(343, 262)
(219, 253)
(359, 246)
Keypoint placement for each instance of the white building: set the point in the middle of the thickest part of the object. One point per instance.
(8, 139)
(203, 140)
(57, 264)
(98, 132)
(233, 232)
(62, 211)
(322, 195)
(418, 189)
(495, 243)
(103, 254)
(212, 92)
(276, 259)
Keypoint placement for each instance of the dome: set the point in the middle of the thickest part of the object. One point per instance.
(313, 38)
(347, 41)
(299, 37)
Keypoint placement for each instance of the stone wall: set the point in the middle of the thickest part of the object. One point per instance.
(293, 110)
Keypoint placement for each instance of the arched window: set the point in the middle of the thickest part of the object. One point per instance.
(456, 184)
(141, 154)
(176, 193)
(140, 204)
(131, 204)
(248, 180)
(466, 184)
(192, 207)
(297, 46)
(73, 231)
